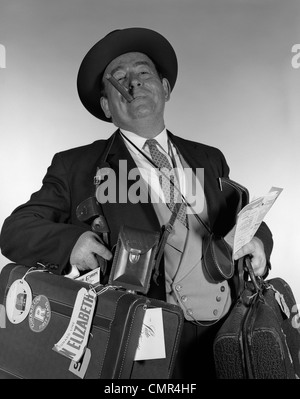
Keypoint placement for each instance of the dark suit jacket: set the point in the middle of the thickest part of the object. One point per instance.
(46, 228)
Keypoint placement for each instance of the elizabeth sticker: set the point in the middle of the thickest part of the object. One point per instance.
(39, 314)
(18, 301)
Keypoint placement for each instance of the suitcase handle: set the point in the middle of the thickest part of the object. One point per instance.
(244, 266)
(255, 280)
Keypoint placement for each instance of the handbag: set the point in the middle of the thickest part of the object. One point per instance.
(217, 258)
(260, 338)
(217, 253)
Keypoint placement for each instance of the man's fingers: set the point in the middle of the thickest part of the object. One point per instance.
(258, 258)
(85, 250)
(248, 249)
(103, 252)
(100, 249)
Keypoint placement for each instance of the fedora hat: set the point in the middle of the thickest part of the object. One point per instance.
(116, 43)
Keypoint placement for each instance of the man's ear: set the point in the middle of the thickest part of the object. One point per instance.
(105, 107)
(167, 88)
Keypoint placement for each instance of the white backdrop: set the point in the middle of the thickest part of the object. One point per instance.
(237, 89)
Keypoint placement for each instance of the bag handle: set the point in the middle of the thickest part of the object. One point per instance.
(244, 268)
(254, 279)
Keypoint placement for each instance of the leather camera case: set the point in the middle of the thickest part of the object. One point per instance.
(134, 259)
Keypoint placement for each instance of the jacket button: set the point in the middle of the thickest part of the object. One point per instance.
(222, 288)
(218, 298)
(178, 287)
(215, 312)
(184, 298)
(189, 312)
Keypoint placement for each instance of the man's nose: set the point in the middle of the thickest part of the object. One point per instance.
(134, 81)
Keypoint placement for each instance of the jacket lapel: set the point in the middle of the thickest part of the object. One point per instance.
(196, 157)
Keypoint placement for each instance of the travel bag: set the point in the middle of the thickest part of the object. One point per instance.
(36, 328)
(260, 339)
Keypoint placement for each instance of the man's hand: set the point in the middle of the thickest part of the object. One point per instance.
(255, 248)
(85, 250)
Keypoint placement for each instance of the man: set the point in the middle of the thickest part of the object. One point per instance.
(46, 229)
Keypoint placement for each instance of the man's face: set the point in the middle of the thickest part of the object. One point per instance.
(138, 74)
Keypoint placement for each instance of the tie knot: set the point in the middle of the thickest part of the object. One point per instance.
(159, 158)
(151, 143)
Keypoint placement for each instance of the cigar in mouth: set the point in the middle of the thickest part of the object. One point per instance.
(119, 87)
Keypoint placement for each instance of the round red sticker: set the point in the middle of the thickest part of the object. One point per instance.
(39, 313)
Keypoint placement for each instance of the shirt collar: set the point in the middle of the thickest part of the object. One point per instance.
(161, 138)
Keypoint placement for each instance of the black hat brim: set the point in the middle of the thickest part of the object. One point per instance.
(116, 43)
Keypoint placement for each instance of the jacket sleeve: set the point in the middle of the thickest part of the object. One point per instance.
(41, 230)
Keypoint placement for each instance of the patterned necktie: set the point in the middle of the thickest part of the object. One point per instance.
(168, 180)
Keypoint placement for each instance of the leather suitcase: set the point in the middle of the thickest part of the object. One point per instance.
(114, 335)
(260, 339)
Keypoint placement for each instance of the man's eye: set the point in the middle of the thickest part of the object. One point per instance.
(119, 77)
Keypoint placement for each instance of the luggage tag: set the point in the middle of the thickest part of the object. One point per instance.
(74, 341)
(281, 302)
(152, 340)
(79, 368)
(18, 301)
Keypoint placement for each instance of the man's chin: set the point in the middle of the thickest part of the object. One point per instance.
(141, 111)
